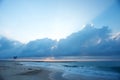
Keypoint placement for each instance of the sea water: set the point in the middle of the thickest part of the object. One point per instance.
(102, 69)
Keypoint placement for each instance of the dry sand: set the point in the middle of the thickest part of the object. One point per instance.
(16, 71)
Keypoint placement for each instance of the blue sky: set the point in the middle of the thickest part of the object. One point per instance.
(26, 20)
(110, 17)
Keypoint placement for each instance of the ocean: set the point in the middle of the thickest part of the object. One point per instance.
(110, 70)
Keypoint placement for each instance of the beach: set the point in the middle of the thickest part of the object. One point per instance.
(13, 70)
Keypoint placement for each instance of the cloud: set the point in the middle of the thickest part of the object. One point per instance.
(90, 41)
(40, 47)
(9, 48)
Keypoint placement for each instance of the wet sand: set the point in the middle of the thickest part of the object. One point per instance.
(1, 78)
(16, 71)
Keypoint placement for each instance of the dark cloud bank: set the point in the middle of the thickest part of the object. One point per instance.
(90, 41)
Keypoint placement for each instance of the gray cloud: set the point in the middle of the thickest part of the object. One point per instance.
(40, 47)
(90, 41)
(9, 48)
(83, 42)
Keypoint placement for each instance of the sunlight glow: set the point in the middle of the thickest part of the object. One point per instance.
(52, 19)
(49, 59)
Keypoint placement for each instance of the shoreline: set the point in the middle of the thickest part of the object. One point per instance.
(17, 71)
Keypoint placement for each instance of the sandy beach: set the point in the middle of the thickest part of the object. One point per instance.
(16, 71)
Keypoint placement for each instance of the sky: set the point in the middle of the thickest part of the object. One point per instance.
(26, 20)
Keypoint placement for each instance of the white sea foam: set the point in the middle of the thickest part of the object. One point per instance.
(69, 68)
